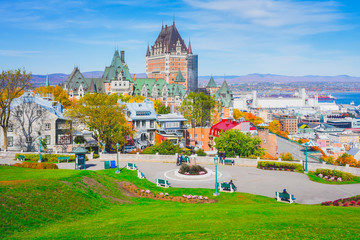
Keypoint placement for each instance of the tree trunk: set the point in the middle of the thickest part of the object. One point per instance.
(5, 137)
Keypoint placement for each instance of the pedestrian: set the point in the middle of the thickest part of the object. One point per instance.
(178, 161)
(181, 159)
(224, 155)
(220, 156)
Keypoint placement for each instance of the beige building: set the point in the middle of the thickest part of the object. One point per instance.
(288, 123)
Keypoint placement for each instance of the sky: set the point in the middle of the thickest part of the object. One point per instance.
(231, 37)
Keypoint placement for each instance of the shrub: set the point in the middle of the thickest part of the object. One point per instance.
(46, 157)
(200, 152)
(164, 148)
(272, 164)
(79, 140)
(96, 155)
(193, 170)
(36, 165)
(286, 156)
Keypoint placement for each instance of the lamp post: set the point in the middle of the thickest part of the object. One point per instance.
(40, 142)
(117, 158)
(306, 166)
(216, 160)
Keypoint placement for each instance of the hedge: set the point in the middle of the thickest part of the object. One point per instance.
(36, 165)
(46, 157)
(327, 172)
(275, 165)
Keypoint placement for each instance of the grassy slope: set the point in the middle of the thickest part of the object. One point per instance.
(235, 216)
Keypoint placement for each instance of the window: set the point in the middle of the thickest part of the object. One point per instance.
(47, 126)
(151, 136)
(18, 113)
(39, 112)
(10, 142)
(196, 136)
(151, 124)
(137, 124)
(143, 123)
(10, 128)
(47, 139)
(29, 139)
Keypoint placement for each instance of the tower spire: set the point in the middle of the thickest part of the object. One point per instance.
(189, 48)
(47, 80)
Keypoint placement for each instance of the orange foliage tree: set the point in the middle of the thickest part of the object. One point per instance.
(346, 159)
(248, 117)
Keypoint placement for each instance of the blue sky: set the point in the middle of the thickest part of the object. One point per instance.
(232, 37)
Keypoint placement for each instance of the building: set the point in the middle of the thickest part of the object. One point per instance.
(142, 118)
(115, 79)
(268, 141)
(33, 118)
(171, 127)
(169, 55)
(288, 123)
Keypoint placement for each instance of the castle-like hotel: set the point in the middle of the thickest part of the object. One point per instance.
(171, 69)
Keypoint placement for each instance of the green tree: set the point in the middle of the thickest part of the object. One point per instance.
(201, 107)
(12, 85)
(236, 143)
(101, 114)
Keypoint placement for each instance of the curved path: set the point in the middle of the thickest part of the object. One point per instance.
(247, 179)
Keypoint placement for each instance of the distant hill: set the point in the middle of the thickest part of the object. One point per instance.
(272, 78)
(59, 78)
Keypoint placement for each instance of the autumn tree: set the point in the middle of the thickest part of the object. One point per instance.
(102, 115)
(201, 107)
(12, 85)
(247, 116)
(131, 99)
(346, 159)
(236, 143)
(160, 108)
(57, 92)
(286, 156)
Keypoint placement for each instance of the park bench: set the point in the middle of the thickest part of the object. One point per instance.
(63, 158)
(131, 166)
(107, 164)
(162, 182)
(112, 164)
(284, 196)
(227, 187)
(140, 174)
(185, 159)
(21, 158)
(228, 161)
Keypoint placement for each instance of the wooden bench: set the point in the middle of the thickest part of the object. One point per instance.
(228, 161)
(285, 197)
(162, 182)
(107, 164)
(227, 187)
(140, 174)
(21, 158)
(131, 166)
(63, 158)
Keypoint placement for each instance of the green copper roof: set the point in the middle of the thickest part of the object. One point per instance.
(211, 83)
(159, 84)
(225, 88)
(179, 77)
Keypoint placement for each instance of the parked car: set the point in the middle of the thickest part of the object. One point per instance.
(129, 148)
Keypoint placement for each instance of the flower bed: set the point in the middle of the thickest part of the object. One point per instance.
(345, 202)
(137, 192)
(281, 166)
(333, 175)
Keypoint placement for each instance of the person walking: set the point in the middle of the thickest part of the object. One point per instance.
(220, 157)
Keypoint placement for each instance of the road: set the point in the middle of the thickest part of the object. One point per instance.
(296, 150)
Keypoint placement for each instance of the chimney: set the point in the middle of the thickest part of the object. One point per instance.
(122, 56)
(134, 77)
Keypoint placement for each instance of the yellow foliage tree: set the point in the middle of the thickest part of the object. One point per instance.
(58, 94)
(101, 114)
(13, 83)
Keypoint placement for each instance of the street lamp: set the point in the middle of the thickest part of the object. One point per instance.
(216, 160)
(117, 158)
(40, 143)
(308, 144)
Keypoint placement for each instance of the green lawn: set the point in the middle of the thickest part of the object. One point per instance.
(8, 173)
(90, 213)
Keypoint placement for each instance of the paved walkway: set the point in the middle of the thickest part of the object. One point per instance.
(247, 179)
